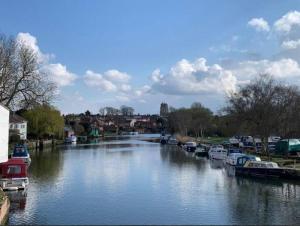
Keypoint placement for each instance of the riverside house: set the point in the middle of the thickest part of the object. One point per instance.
(4, 128)
(18, 125)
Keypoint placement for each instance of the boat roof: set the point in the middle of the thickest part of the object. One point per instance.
(13, 162)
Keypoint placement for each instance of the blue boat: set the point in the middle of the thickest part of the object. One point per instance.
(21, 152)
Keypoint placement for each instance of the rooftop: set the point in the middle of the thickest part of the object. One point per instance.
(13, 118)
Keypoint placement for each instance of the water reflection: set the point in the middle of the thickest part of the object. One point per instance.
(17, 200)
(130, 181)
(46, 165)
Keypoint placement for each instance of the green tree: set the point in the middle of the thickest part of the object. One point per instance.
(44, 121)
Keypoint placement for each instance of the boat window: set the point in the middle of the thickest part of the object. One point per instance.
(14, 170)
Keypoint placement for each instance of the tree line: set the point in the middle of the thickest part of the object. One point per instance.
(262, 108)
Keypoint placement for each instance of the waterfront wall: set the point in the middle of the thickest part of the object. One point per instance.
(4, 210)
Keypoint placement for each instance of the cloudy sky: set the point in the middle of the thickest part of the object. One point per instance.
(140, 53)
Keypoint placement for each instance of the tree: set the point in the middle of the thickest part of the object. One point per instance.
(44, 121)
(126, 111)
(22, 84)
(264, 107)
(201, 119)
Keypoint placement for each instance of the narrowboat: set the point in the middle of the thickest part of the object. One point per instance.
(21, 152)
(13, 175)
(217, 152)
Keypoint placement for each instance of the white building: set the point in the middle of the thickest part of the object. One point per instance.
(18, 124)
(4, 128)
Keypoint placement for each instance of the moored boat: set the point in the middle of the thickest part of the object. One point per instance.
(71, 139)
(21, 152)
(201, 151)
(172, 140)
(217, 152)
(13, 175)
(232, 158)
(265, 169)
(190, 146)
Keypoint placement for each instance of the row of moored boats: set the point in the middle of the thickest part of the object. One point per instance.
(244, 164)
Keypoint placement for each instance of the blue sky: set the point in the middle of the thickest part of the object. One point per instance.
(109, 53)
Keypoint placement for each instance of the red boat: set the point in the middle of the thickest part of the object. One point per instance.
(13, 175)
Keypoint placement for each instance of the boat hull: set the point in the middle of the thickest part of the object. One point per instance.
(13, 184)
(283, 173)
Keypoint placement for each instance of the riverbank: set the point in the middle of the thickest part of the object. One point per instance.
(4, 207)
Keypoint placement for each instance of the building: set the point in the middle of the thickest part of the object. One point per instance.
(4, 128)
(18, 125)
(164, 109)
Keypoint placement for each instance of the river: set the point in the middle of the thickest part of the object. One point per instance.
(130, 181)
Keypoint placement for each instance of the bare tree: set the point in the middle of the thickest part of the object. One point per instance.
(265, 107)
(22, 84)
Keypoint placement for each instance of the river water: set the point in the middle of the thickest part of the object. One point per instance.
(130, 181)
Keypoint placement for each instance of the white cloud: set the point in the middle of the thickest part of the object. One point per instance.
(56, 72)
(117, 76)
(190, 78)
(286, 22)
(93, 79)
(291, 44)
(156, 76)
(30, 41)
(282, 69)
(122, 98)
(143, 90)
(59, 74)
(125, 88)
(259, 24)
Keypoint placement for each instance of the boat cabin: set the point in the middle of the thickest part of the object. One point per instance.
(243, 159)
(13, 175)
(13, 168)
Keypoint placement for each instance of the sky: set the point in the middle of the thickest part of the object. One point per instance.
(142, 53)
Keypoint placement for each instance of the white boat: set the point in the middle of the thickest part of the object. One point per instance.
(217, 152)
(71, 139)
(231, 159)
(190, 146)
(172, 141)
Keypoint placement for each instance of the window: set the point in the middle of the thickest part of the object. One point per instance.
(14, 170)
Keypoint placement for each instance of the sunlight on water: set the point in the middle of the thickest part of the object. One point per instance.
(131, 181)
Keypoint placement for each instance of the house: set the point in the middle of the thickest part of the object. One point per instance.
(4, 128)
(19, 125)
